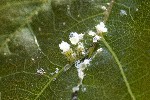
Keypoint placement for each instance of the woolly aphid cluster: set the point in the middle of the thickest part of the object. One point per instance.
(75, 55)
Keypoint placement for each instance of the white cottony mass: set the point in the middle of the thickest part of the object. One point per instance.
(74, 38)
(101, 27)
(100, 49)
(92, 33)
(81, 36)
(64, 46)
(80, 73)
(87, 61)
(76, 88)
(78, 51)
(96, 38)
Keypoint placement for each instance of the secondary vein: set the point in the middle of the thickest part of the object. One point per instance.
(48, 83)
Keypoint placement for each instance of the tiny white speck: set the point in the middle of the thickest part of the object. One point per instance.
(123, 12)
(83, 89)
(40, 71)
(32, 59)
(68, 7)
(57, 70)
(83, 53)
(54, 79)
(108, 4)
(39, 28)
(137, 9)
(104, 8)
(52, 73)
(64, 23)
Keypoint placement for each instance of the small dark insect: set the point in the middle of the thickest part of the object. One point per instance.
(75, 95)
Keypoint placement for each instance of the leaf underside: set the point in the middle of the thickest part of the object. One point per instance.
(31, 31)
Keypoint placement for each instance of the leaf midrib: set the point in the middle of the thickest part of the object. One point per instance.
(120, 68)
(114, 54)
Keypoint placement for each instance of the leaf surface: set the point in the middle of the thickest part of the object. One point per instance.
(31, 31)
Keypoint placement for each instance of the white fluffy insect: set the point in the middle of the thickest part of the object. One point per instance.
(123, 12)
(64, 46)
(101, 27)
(40, 71)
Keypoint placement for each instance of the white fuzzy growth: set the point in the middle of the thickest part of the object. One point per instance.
(123, 12)
(100, 50)
(83, 53)
(57, 70)
(91, 33)
(83, 89)
(40, 71)
(80, 68)
(82, 65)
(104, 8)
(81, 36)
(96, 38)
(76, 88)
(64, 46)
(87, 61)
(74, 38)
(80, 73)
(108, 4)
(101, 27)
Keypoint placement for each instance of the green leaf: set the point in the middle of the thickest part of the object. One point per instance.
(31, 31)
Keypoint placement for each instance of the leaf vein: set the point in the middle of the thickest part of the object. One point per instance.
(48, 83)
(121, 69)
